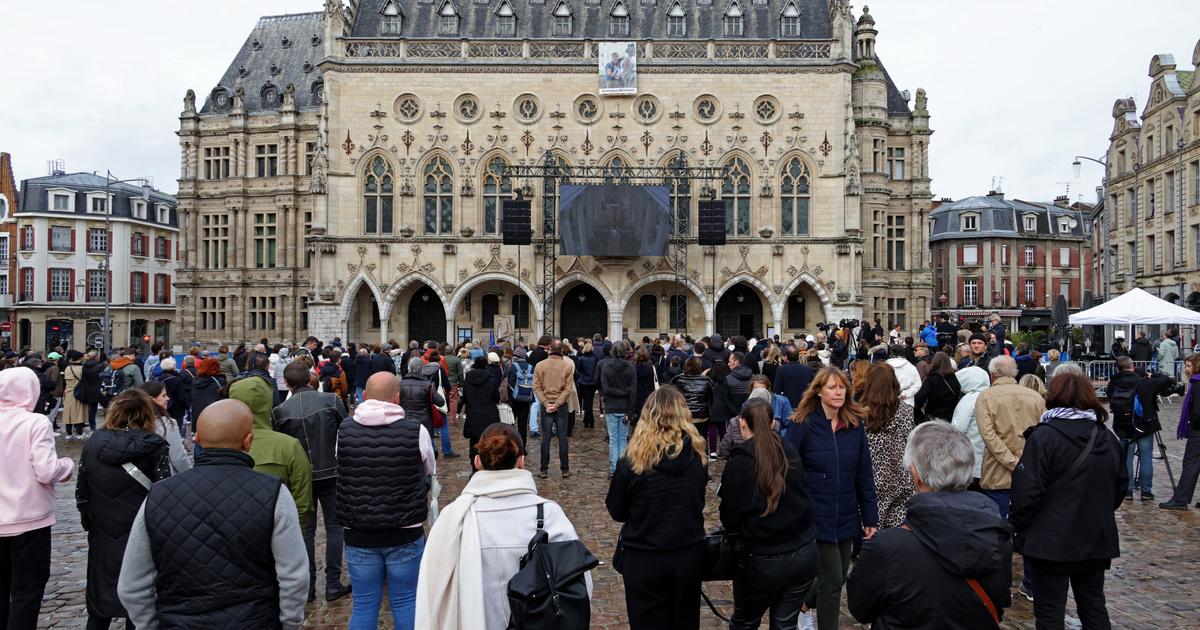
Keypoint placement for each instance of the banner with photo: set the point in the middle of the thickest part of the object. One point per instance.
(618, 67)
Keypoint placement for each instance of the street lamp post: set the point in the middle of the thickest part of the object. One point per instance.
(109, 181)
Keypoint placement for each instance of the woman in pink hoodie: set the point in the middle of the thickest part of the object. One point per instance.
(29, 468)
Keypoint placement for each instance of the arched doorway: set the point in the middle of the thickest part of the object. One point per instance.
(740, 312)
(426, 316)
(1193, 301)
(803, 310)
(583, 313)
(363, 323)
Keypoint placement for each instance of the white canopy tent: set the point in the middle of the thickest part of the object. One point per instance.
(1135, 307)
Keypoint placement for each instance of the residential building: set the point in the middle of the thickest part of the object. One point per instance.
(8, 236)
(346, 174)
(1010, 257)
(67, 224)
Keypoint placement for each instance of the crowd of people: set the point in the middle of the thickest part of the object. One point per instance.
(902, 473)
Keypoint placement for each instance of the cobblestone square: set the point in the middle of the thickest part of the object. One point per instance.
(1152, 585)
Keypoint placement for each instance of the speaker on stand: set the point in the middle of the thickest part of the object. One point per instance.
(515, 227)
(711, 222)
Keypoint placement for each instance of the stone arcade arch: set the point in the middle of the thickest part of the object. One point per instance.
(741, 310)
(583, 311)
(695, 294)
(464, 290)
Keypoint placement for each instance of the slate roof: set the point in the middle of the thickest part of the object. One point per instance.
(35, 199)
(999, 217)
(647, 18)
(265, 65)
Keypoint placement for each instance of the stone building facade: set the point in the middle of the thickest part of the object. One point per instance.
(1152, 207)
(1010, 257)
(401, 125)
(8, 236)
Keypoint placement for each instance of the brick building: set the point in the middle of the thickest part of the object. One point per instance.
(8, 236)
(1011, 257)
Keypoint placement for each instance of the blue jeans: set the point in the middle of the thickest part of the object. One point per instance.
(1002, 497)
(1145, 455)
(445, 432)
(358, 395)
(368, 567)
(618, 437)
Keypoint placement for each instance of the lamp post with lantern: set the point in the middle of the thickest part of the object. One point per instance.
(109, 181)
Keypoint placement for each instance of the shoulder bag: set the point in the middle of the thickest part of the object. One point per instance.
(550, 589)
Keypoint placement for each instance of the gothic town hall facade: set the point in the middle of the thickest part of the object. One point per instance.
(345, 176)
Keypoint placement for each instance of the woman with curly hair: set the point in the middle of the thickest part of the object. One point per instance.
(889, 420)
(657, 491)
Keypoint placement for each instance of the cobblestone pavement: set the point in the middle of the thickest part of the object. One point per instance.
(1153, 585)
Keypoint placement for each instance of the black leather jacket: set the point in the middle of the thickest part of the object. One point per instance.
(698, 392)
(415, 395)
(313, 418)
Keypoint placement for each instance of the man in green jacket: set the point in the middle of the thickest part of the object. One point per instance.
(275, 453)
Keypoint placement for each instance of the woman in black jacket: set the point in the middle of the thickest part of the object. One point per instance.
(719, 413)
(1063, 507)
(647, 381)
(658, 493)
(479, 398)
(117, 466)
(93, 367)
(764, 500)
(939, 391)
(697, 391)
(618, 385)
(1188, 429)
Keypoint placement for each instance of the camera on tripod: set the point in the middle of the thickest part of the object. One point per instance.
(848, 323)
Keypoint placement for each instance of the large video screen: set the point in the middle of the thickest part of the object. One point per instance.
(614, 220)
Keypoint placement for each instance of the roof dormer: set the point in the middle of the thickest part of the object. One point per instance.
(506, 20)
(789, 20)
(448, 19)
(677, 20)
(391, 18)
(733, 20)
(564, 20)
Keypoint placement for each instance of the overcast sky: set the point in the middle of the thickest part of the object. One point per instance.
(1016, 88)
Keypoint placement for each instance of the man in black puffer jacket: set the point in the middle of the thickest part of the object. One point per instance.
(738, 383)
(418, 395)
(950, 564)
(385, 467)
(173, 577)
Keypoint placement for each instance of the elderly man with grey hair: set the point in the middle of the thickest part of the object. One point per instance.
(950, 565)
(1003, 412)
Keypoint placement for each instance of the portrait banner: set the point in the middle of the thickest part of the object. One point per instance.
(618, 67)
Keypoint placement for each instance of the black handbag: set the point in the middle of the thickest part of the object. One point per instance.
(721, 551)
(618, 559)
(550, 589)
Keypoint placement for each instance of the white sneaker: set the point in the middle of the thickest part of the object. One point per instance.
(807, 621)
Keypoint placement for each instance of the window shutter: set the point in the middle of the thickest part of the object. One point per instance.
(49, 285)
(167, 288)
(145, 287)
(71, 285)
(167, 249)
(108, 241)
(133, 280)
(132, 243)
(145, 245)
(72, 239)
(108, 285)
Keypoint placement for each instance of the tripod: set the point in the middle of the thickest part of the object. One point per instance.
(1162, 454)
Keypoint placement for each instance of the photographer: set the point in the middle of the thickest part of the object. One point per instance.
(1133, 400)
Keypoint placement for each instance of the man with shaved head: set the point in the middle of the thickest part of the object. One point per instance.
(173, 575)
(553, 383)
(385, 466)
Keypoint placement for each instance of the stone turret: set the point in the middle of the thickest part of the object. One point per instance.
(866, 35)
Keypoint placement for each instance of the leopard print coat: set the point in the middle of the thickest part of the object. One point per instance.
(893, 483)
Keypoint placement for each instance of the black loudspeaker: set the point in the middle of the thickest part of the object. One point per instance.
(711, 222)
(515, 222)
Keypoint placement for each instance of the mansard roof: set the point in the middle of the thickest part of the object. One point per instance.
(647, 18)
(35, 199)
(1000, 217)
(281, 50)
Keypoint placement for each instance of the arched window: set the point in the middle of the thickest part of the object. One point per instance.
(439, 197)
(648, 312)
(794, 199)
(679, 312)
(680, 188)
(550, 189)
(735, 192)
(491, 307)
(616, 171)
(377, 197)
(520, 310)
(496, 188)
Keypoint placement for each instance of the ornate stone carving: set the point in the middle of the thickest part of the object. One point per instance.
(802, 50)
(449, 248)
(561, 50)
(434, 50)
(373, 49)
(189, 103)
(740, 51)
(495, 50)
(680, 50)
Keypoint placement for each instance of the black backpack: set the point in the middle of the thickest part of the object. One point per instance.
(112, 382)
(1128, 410)
(550, 590)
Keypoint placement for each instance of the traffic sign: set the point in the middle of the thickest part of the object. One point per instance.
(5, 326)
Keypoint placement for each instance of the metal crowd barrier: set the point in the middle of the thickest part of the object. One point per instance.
(1100, 371)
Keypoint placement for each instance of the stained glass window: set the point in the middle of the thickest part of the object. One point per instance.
(496, 188)
(378, 197)
(794, 199)
(735, 192)
(438, 193)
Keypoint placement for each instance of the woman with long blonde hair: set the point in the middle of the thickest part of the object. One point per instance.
(827, 432)
(657, 491)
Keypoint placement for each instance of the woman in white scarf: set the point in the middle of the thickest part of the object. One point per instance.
(476, 544)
